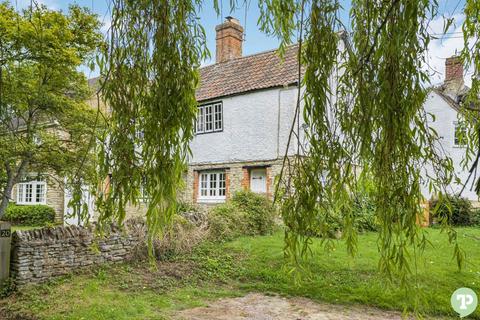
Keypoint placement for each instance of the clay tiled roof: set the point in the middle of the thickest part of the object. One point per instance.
(258, 71)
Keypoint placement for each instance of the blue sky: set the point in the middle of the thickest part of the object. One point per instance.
(256, 41)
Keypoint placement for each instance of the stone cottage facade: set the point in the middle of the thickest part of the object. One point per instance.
(41, 188)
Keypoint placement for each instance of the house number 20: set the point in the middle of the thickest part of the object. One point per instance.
(5, 233)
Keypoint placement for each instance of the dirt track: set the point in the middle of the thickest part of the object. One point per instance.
(261, 307)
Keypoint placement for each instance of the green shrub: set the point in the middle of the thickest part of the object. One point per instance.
(258, 212)
(226, 222)
(246, 213)
(364, 218)
(476, 217)
(30, 215)
(363, 209)
(454, 210)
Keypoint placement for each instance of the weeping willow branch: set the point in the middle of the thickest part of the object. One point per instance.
(155, 50)
(362, 105)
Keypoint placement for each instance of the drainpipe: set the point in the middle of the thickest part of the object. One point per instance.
(278, 124)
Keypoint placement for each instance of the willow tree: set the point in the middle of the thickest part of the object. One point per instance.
(371, 116)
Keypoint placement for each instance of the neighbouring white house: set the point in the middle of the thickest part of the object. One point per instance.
(444, 102)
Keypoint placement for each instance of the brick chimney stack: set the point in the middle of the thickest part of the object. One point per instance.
(229, 40)
(454, 72)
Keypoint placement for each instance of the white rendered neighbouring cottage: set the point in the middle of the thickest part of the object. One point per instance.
(444, 102)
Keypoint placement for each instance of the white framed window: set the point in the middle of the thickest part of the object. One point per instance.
(212, 186)
(209, 118)
(32, 192)
(460, 134)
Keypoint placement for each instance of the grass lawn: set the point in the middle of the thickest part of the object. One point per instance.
(135, 291)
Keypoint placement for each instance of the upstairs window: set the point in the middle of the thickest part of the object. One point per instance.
(460, 136)
(210, 118)
(32, 192)
(212, 186)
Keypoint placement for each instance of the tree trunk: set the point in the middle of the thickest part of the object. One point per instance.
(12, 178)
(7, 191)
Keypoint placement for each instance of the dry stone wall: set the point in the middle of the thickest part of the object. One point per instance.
(38, 255)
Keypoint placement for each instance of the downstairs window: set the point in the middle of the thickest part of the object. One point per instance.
(212, 186)
(32, 192)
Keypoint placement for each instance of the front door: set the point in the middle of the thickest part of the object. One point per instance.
(258, 180)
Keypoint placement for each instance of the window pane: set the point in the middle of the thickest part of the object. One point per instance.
(221, 184)
(208, 118)
(28, 192)
(20, 193)
(213, 184)
(203, 184)
(40, 193)
(201, 120)
(218, 117)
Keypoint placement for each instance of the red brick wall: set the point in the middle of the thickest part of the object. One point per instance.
(269, 182)
(246, 179)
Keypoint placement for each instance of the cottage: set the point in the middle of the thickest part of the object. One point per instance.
(444, 103)
(246, 109)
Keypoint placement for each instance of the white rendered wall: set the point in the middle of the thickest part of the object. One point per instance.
(444, 125)
(255, 127)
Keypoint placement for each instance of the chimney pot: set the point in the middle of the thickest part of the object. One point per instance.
(229, 40)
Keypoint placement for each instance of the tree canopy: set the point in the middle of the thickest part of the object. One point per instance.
(46, 125)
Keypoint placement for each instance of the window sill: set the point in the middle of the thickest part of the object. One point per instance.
(211, 200)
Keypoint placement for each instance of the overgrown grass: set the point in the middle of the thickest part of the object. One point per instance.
(134, 291)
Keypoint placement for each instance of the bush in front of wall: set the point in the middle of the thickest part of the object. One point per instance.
(181, 237)
(246, 213)
(29, 215)
(454, 210)
(258, 212)
(225, 222)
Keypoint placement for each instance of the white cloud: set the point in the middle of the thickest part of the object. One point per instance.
(106, 23)
(445, 46)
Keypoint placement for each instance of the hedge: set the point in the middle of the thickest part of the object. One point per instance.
(29, 215)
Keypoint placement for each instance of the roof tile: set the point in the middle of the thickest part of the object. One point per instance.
(253, 72)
